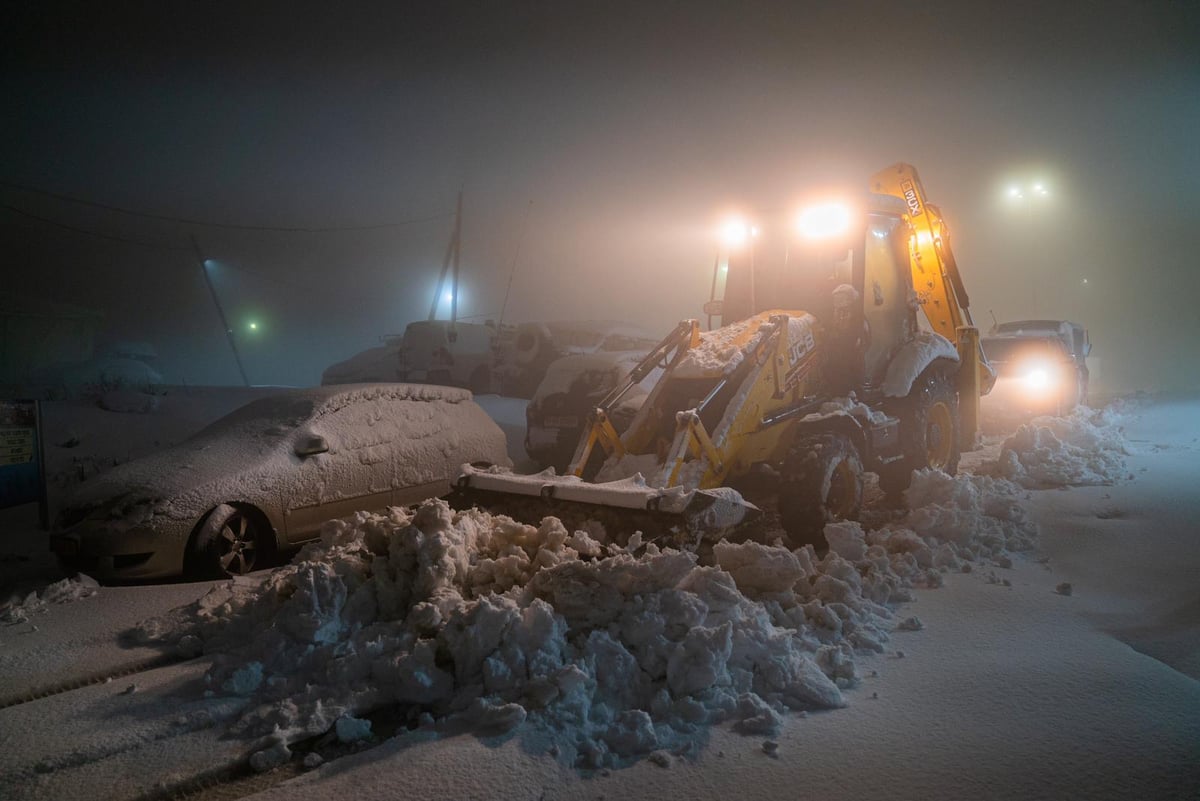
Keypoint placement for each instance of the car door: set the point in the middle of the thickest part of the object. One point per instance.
(354, 470)
(425, 438)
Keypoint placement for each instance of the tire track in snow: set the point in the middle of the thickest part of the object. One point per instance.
(87, 680)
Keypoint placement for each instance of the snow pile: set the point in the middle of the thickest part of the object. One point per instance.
(971, 517)
(596, 653)
(60, 592)
(1086, 447)
(606, 653)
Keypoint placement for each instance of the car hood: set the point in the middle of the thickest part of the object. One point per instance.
(187, 479)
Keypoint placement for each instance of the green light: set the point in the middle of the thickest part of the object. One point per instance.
(253, 326)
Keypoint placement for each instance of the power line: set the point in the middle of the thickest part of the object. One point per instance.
(97, 234)
(230, 226)
(260, 275)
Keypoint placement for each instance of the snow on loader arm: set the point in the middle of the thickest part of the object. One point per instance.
(664, 479)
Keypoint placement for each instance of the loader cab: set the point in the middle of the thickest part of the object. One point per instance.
(810, 273)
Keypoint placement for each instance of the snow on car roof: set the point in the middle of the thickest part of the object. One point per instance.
(250, 450)
(296, 405)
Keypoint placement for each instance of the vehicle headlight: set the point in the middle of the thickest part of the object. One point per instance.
(1038, 378)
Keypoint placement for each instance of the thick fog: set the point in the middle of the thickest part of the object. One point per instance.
(597, 152)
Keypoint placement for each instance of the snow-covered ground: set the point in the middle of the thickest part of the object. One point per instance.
(997, 640)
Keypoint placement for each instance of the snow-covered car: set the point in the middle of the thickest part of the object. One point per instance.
(1036, 373)
(264, 478)
(454, 354)
(380, 363)
(526, 353)
(573, 385)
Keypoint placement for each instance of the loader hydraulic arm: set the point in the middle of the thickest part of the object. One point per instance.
(935, 275)
(600, 429)
(940, 290)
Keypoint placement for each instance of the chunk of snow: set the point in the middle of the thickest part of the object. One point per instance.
(60, 592)
(350, 729)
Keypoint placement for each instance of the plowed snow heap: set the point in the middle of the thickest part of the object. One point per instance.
(602, 652)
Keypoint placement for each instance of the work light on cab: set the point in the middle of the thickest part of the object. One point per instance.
(736, 232)
(824, 221)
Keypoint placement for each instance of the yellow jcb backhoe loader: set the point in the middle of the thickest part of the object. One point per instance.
(822, 370)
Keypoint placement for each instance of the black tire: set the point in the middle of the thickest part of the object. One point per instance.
(929, 431)
(230, 541)
(822, 481)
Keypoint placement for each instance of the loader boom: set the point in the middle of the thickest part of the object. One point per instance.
(935, 275)
(940, 290)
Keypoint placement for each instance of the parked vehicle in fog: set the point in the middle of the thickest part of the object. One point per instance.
(264, 478)
(571, 388)
(1040, 366)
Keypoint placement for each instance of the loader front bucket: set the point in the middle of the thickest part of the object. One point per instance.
(673, 517)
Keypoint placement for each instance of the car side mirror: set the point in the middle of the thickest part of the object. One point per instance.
(310, 446)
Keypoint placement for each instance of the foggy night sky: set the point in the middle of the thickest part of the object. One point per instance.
(632, 128)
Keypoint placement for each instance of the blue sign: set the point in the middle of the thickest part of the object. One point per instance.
(21, 472)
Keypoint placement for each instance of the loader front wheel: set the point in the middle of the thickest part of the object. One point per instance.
(929, 431)
(821, 482)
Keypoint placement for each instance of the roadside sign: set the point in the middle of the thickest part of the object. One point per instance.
(22, 472)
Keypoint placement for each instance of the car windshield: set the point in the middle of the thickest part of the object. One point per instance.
(1007, 349)
(266, 418)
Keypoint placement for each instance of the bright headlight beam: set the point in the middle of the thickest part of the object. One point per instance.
(823, 221)
(735, 232)
(1038, 378)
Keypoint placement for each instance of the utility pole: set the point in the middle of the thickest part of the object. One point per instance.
(220, 312)
(452, 257)
(512, 270)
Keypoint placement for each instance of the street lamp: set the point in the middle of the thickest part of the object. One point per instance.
(1024, 195)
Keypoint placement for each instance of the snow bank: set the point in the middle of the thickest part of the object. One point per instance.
(1086, 447)
(478, 620)
(971, 517)
(60, 592)
(593, 652)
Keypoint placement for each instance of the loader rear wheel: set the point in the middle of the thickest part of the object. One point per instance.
(822, 482)
(929, 426)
